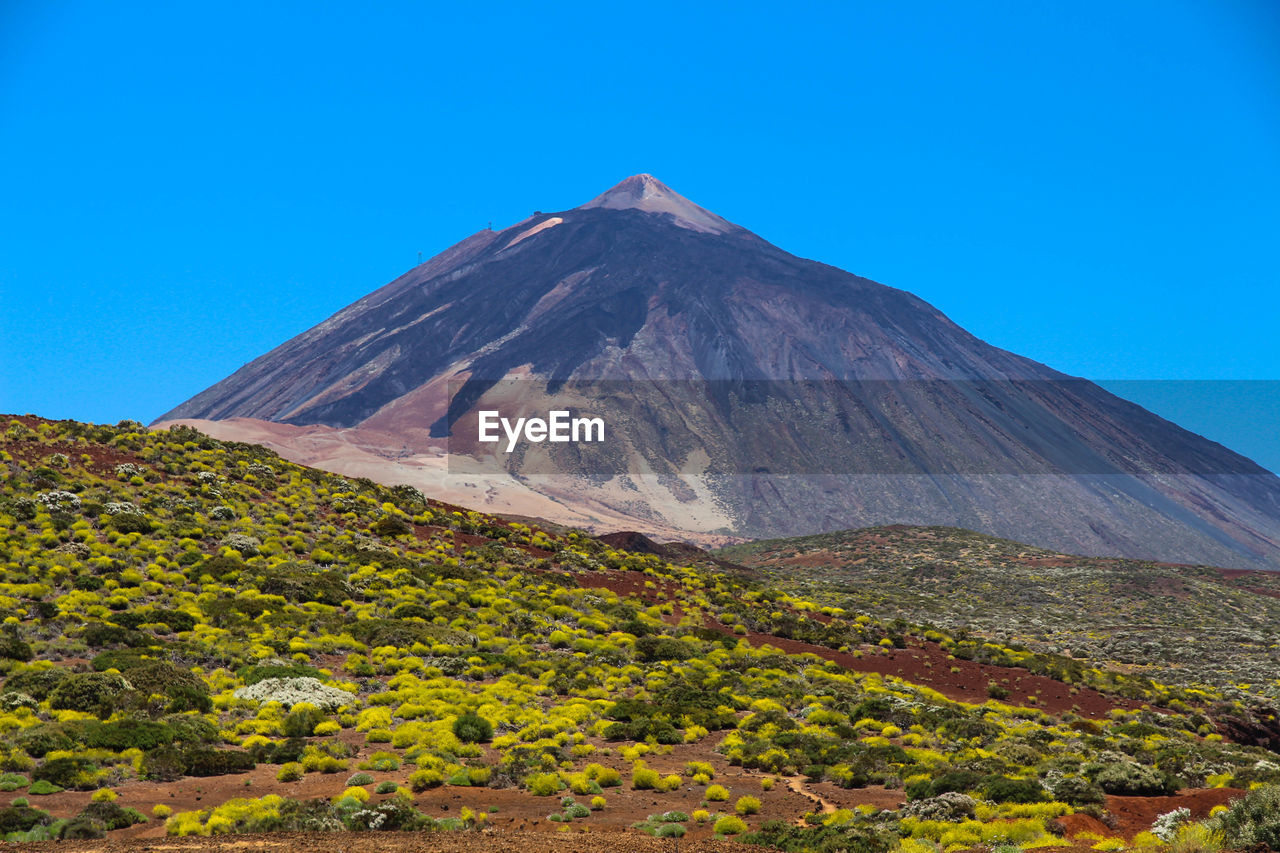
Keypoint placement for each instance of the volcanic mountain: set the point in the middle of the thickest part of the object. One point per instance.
(749, 393)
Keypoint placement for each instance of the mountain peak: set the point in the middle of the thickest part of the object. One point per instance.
(647, 193)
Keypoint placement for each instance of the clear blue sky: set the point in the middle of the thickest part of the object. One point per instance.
(1093, 184)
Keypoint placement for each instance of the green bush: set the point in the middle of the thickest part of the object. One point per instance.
(12, 647)
(190, 728)
(302, 721)
(87, 583)
(130, 522)
(661, 731)
(91, 692)
(747, 805)
(958, 781)
(111, 815)
(217, 762)
(1132, 780)
(847, 838)
(1078, 791)
(281, 752)
(1015, 791)
(122, 659)
(41, 739)
(81, 828)
(1252, 822)
(164, 764)
(300, 584)
(72, 772)
(253, 674)
(22, 819)
(175, 619)
(43, 787)
(391, 632)
(390, 526)
(651, 649)
(38, 683)
(472, 728)
(13, 781)
(165, 679)
(122, 734)
(411, 610)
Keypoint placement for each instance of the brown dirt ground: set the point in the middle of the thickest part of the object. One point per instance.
(401, 842)
(1135, 814)
(509, 809)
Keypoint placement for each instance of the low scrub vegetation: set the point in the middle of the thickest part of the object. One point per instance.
(332, 631)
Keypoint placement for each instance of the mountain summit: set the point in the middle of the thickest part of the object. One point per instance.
(647, 193)
(751, 394)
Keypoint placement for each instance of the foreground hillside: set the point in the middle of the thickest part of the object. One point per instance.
(1192, 625)
(200, 638)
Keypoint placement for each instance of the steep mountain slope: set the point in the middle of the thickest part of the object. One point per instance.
(748, 392)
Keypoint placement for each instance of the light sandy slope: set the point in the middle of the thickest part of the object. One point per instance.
(642, 503)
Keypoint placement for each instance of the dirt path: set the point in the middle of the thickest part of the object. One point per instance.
(824, 805)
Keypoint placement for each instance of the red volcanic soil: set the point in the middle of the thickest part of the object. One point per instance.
(1136, 814)
(103, 459)
(1247, 574)
(925, 663)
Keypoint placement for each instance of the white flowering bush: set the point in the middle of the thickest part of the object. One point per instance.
(121, 508)
(292, 691)
(13, 700)
(58, 501)
(1165, 827)
(247, 545)
(950, 806)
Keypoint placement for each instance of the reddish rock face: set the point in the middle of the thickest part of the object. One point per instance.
(927, 425)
